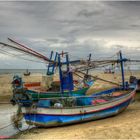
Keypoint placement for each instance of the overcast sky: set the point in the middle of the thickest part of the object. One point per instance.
(100, 28)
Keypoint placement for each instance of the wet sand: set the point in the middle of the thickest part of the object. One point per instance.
(6, 127)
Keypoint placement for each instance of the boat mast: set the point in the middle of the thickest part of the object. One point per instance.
(60, 74)
(68, 73)
(88, 63)
(122, 60)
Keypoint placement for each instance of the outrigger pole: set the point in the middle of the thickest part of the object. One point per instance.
(29, 49)
(35, 53)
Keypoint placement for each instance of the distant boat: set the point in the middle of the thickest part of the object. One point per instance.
(109, 71)
(27, 73)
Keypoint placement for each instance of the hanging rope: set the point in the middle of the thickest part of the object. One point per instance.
(6, 126)
(95, 77)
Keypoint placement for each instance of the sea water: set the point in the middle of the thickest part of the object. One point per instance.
(22, 71)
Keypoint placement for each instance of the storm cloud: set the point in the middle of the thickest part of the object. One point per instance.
(101, 28)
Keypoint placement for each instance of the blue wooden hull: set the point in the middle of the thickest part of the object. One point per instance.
(47, 120)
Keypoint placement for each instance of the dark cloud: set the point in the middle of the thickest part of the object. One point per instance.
(89, 14)
(77, 27)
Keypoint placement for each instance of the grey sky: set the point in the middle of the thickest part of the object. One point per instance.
(78, 27)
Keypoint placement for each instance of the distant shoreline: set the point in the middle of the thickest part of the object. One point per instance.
(22, 71)
(43, 71)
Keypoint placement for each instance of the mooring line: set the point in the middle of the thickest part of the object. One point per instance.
(6, 126)
(5, 103)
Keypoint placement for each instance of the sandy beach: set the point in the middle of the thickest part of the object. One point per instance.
(124, 126)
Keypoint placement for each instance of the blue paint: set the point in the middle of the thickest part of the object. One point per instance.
(68, 82)
(66, 77)
(42, 103)
(89, 83)
(106, 92)
(46, 119)
(82, 101)
(72, 62)
(56, 55)
(51, 66)
(60, 74)
(70, 85)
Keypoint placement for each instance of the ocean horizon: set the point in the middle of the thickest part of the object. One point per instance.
(43, 71)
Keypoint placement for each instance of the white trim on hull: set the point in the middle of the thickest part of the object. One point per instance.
(55, 123)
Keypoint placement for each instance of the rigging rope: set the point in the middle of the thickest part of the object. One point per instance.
(95, 77)
(106, 57)
(4, 45)
(6, 126)
(13, 55)
(29, 50)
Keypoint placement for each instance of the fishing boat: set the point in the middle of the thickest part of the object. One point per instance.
(48, 112)
(62, 111)
(34, 91)
(109, 71)
(54, 91)
(27, 73)
(65, 87)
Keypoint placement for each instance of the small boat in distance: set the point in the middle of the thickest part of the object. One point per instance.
(27, 73)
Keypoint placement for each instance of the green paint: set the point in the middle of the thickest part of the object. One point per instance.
(37, 95)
